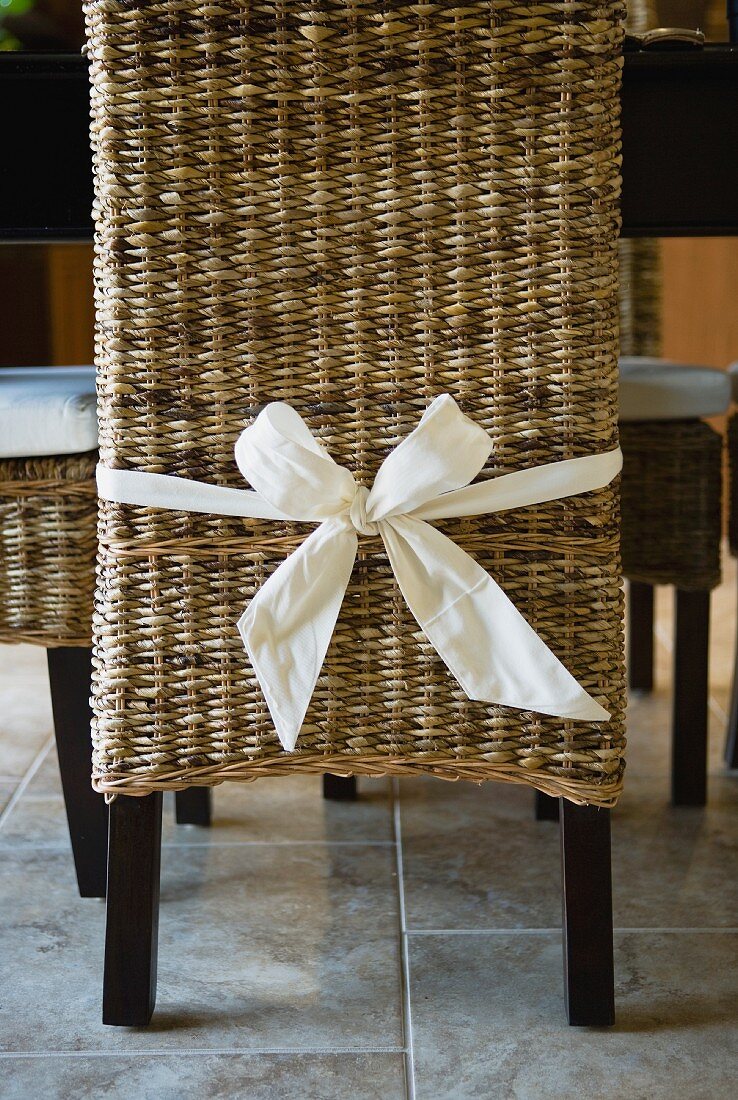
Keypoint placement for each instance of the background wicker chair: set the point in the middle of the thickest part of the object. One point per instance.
(671, 494)
(48, 520)
(352, 208)
(48, 517)
(671, 530)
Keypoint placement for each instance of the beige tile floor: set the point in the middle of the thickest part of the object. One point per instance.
(407, 946)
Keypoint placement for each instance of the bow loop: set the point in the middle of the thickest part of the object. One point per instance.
(282, 459)
(445, 451)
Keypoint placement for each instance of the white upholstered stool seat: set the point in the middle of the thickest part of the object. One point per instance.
(657, 389)
(47, 411)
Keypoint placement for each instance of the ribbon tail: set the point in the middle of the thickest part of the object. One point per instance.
(478, 632)
(288, 625)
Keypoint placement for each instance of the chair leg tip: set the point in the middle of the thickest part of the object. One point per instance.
(127, 1019)
(340, 788)
(592, 1012)
(123, 1010)
(194, 806)
(126, 1011)
(596, 1020)
(98, 892)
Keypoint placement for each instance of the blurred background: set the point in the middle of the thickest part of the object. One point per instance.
(46, 312)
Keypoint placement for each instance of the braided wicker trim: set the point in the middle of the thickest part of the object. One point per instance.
(48, 487)
(582, 793)
(45, 638)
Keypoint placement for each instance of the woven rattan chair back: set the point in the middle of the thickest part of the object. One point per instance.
(352, 207)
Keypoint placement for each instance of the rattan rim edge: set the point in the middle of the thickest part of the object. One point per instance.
(604, 795)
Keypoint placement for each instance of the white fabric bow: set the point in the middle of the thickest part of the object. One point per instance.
(287, 627)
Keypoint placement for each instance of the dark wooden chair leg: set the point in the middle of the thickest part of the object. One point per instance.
(70, 670)
(339, 788)
(589, 979)
(193, 806)
(731, 741)
(131, 935)
(640, 636)
(547, 808)
(689, 723)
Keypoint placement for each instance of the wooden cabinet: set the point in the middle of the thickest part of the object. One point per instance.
(700, 277)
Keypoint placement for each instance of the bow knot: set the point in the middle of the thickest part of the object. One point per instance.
(357, 513)
(287, 627)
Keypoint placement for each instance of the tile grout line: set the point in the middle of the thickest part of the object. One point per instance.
(278, 843)
(404, 947)
(174, 1052)
(717, 930)
(20, 789)
(211, 845)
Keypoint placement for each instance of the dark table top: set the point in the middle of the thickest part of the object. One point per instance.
(680, 145)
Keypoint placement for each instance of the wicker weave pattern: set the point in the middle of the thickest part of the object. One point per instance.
(352, 207)
(640, 297)
(671, 503)
(48, 516)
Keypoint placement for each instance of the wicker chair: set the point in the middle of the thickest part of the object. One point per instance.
(671, 529)
(48, 519)
(351, 208)
(670, 505)
(48, 515)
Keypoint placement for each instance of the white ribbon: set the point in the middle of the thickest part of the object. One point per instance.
(286, 628)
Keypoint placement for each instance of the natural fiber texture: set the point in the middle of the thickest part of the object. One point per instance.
(48, 516)
(642, 16)
(640, 297)
(352, 207)
(671, 503)
(731, 436)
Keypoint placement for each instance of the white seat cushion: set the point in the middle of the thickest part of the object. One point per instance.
(657, 389)
(47, 411)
